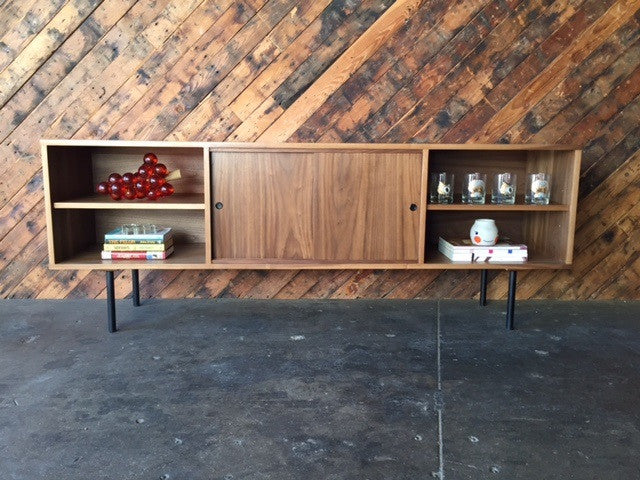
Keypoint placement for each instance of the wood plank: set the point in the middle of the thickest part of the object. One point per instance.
(446, 94)
(580, 48)
(339, 71)
(591, 81)
(38, 50)
(264, 59)
(190, 34)
(156, 119)
(20, 22)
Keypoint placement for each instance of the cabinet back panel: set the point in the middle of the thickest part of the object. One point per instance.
(562, 167)
(461, 162)
(545, 233)
(187, 225)
(456, 225)
(107, 160)
(542, 232)
(323, 205)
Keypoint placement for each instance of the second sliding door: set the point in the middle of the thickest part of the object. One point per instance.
(323, 206)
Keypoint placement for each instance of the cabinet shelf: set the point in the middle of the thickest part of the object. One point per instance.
(435, 259)
(489, 207)
(185, 255)
(184, 201)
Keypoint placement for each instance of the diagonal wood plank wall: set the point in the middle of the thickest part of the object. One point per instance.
(565, 71)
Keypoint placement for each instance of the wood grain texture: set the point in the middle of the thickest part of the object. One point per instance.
(528, 71)
(323, 206)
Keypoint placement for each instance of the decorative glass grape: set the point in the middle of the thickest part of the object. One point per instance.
(146, 182)
(146, 171)
(156, 181)
(142, 185)
(127, 177)
(103, 188)
(115, 188)
(115, 177)
(150, 159)
(167, 189)
(153, 194)
(161, 169)
(129, 193)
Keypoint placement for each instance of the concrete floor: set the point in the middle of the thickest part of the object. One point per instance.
(232, 389)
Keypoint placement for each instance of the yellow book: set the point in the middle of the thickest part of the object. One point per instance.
(137, 247)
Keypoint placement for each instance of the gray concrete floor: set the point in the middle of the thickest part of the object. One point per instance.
(233, 389)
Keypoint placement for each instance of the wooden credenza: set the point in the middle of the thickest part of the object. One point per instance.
(304, 206)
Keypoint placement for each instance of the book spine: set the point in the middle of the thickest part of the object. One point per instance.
(135, 238)
(111, 241)
(499, 259)
(135, 247)
(136, 255)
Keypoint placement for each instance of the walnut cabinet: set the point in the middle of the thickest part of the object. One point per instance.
(303, 206)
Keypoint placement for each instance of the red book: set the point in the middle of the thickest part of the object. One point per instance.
(136, 255)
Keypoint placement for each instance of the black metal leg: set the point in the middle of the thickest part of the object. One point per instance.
(111, 303)
(135, 292)
(483, 287)
(511, 301)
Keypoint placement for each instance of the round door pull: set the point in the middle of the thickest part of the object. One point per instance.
(219, 206)
(413, 207)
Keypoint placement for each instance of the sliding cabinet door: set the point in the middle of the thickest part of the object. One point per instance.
(322, 206)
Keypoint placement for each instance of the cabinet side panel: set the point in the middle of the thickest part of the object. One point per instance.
(208, 237)
(424, 186)
(575, 158)
(44, 149)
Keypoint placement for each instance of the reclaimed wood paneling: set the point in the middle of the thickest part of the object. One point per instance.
(564, 71)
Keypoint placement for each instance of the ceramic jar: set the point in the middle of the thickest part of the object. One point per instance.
(484, 232)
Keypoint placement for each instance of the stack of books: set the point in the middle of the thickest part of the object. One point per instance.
(462, 250)
(137, 246)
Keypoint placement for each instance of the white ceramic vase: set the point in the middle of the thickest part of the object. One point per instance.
(484, 232)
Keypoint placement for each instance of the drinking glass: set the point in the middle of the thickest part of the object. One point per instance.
(130, 229)
(149, 228)
(441, 189)
(504, 188)
(538, 189)
(474, 188)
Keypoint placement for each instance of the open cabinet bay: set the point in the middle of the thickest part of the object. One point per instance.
(304, 206)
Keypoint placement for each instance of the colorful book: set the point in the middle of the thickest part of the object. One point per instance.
(161, 235)
(137, 247)
(111, 241)
(106, 255)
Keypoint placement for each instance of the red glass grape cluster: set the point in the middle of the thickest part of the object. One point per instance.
(148, 182)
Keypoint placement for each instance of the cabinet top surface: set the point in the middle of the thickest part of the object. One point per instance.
(310, 146)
